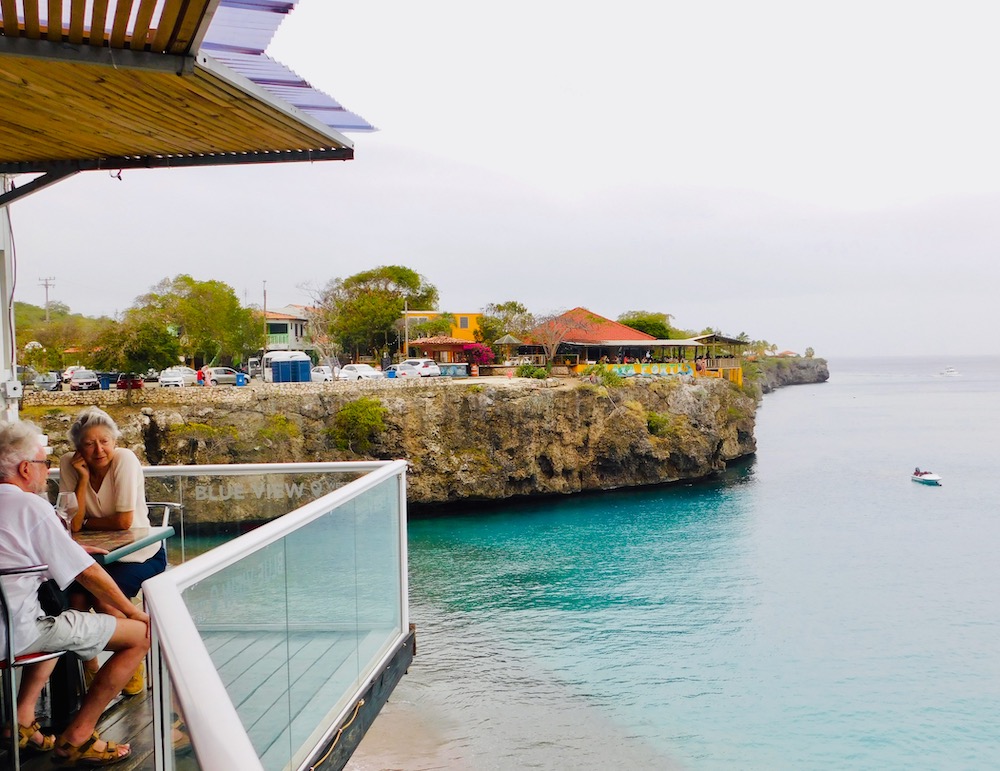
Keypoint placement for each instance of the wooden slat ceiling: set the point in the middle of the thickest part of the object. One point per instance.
(107, 25)
(66, 95)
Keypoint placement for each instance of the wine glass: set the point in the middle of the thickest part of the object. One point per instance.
(66, 507)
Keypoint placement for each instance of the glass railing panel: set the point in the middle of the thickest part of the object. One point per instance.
(241, 615)
(218, 508)
(294, 628)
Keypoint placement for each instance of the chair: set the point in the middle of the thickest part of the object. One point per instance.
(168, 508)
(10, 662)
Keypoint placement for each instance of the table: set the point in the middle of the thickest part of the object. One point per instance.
(119, 543)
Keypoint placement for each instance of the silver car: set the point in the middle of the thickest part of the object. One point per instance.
(221, 376)
(185, 375)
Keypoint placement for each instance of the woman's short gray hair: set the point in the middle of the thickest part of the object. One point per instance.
(19, 441)
(88, 418)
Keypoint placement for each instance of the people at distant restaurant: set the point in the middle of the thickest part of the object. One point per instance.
(110, 495)
(31, 534)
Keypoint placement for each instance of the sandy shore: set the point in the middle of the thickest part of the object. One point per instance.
(408, 736)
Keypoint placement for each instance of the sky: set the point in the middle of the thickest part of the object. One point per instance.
(812, 174)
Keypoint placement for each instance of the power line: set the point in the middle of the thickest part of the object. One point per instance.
(47, 282)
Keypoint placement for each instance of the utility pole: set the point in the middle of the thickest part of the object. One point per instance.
(265, 315)
(47, 283)
(406, 329)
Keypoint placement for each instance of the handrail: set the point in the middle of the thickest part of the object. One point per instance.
(238, 469)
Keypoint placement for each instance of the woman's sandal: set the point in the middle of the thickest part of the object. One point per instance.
(180, 738)
(26, 732)
(86, 755)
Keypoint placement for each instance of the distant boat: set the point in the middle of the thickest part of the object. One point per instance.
(925, 477)
(950, 372)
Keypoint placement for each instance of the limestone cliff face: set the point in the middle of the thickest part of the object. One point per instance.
(465, 440)
(777, 372)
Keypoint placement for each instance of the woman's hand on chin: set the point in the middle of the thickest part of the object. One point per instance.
(80, 465)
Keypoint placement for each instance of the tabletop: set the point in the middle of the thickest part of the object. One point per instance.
(121, 542)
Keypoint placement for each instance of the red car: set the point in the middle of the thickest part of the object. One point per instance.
(128, 380)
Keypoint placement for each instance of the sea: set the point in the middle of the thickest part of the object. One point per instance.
(811, 608)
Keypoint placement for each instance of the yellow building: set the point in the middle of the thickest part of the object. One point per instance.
(464, 326)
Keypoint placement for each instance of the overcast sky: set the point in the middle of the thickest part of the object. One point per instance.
(812, 174)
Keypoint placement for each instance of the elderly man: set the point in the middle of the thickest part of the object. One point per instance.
(31, 534)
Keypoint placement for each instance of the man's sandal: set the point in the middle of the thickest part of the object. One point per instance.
(86, 755)
(26, 732)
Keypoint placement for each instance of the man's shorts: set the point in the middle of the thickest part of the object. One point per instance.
(85, 634)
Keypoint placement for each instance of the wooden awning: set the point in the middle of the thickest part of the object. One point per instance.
(129, 84)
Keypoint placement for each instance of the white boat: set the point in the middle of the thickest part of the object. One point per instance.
(925, 477)
(950, 372)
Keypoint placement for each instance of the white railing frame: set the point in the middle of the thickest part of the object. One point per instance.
(218, 735)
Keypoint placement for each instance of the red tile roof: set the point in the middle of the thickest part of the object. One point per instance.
(589, 328)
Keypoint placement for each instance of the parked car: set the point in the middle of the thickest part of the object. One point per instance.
(50, 381)
(425, 367)
(128, 380)
(402, 370)
(185, 375)
(322, 374)
(359, 372)
(68, 372)
(84, 380)
(26, 374)
(220, 376)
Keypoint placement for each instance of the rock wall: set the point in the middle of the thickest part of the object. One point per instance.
(464, 440)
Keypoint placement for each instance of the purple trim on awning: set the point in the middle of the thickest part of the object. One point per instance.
(241, 31)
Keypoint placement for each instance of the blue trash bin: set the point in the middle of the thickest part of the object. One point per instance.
(105, 381)
(241, 378)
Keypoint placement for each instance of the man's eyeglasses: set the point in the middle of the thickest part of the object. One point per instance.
(47, 462)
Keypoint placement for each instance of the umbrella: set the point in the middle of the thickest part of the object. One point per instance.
(507, 340)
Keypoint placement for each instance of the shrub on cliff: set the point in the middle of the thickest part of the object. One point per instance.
(357, 424)
(530, 370)
(597, 374)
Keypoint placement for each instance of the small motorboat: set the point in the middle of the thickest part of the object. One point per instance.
(950, 372)
(925, 477)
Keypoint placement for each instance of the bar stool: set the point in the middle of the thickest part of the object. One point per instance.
(11, 662)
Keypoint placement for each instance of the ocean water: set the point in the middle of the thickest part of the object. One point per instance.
(811, 609)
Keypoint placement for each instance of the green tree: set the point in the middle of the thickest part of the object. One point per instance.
(206, 316)
(360, 311)
(655, 324)
(63, 331)
(136, 343)
(499, 319)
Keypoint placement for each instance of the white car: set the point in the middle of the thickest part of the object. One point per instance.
(403, 370)
(359, 372)
(68, 374)
(178, 376)
(322, 374)
(425, 367)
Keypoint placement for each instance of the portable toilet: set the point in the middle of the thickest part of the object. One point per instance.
(288, 367)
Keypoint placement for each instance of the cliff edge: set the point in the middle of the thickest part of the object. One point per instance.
(483, 439)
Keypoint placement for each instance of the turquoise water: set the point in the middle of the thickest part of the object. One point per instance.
(812, 609)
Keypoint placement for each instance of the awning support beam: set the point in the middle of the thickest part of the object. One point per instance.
(177, 161)
(119, 58)
(40, 183)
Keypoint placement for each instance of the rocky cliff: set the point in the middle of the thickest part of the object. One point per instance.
(464, 440)
(776, 372)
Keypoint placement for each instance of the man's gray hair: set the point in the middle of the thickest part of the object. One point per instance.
(88, 418)
(19, 441)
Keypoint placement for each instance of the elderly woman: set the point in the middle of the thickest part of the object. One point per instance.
(110, 495)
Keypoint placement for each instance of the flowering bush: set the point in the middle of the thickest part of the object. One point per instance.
(477, 353)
